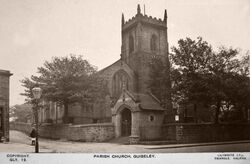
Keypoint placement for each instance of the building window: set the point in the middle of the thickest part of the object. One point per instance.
(153, 42)
(151, 118)
(120, 80)
(248, 116)
(1, 119)
(131, 44)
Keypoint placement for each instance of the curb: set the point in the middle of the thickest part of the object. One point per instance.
(199, 144)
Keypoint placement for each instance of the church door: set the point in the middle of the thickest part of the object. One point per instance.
(126, 122)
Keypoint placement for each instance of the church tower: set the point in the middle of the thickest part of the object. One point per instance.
(143, 37)
(135, 111)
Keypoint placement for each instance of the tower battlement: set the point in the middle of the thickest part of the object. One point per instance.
(139, 17)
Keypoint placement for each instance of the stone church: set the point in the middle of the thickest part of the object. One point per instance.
(130, 105)
(134, 106)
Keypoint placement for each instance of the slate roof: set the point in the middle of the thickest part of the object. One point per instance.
(146, 101)
(109, 66)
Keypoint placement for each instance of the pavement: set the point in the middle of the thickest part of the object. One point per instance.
(20, 142)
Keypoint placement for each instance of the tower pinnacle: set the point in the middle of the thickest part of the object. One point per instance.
(138, 9)
(165, 16)
(123, 20)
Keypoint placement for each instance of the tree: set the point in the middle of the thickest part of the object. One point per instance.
(21, 113)
(200, 75)
(190, 62)
(229, 81)
(67, 80)
(237, 86)
(210, 77)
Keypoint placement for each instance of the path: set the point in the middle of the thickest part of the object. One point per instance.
(21, 143)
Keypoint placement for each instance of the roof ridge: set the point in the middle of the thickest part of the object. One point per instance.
(154, 97)
(109, 65)
(131, 95)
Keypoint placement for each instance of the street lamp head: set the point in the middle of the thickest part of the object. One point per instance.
(37, 92)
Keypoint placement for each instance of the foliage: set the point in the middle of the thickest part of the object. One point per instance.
(191, 61)
(67, 80)
(21, 113)
(200, 75)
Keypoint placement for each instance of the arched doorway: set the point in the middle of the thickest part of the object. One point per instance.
(126, 122)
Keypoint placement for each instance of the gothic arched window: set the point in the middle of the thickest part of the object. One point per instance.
(131, 44)
(120, 80)
(153, 43)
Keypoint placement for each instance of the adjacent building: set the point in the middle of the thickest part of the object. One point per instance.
(4, 103)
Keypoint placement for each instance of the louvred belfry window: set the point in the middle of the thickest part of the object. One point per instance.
(153, 43)
(131, 44)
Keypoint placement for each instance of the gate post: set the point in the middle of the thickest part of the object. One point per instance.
(135, 131)
(117, 122)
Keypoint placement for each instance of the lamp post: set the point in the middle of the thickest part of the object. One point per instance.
(177, 116)
(37, 92)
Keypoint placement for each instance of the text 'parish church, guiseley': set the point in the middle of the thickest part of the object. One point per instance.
(130, 105)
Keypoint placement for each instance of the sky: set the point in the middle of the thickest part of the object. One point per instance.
(33, 31)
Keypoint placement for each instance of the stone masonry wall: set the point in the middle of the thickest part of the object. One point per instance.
(206, 132)
(151, 129)
(4, 103)
(147, 32)
(85, 133)
(20, 126)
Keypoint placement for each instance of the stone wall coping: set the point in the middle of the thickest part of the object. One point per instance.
(80, 125)
(24, 123)
(207, 123)
(70, 125)
(89, 125)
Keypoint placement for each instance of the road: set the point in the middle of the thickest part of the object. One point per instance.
(19, 142)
